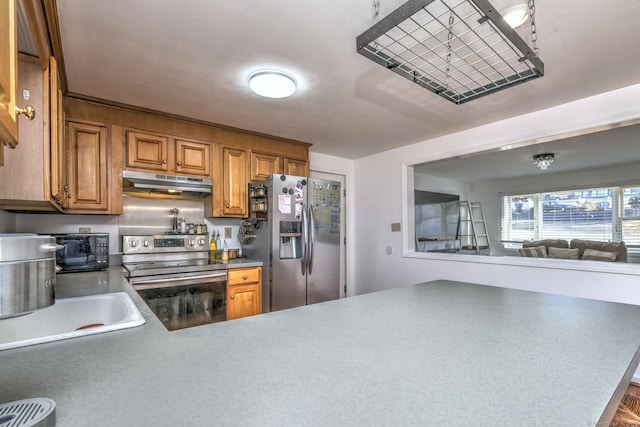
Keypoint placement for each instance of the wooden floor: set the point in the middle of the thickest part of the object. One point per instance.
(627, 416)
(634, 389)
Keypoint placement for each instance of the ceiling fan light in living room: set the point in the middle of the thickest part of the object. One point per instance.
(543, 161)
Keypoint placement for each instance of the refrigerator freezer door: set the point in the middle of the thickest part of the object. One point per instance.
(323, 282)
(288, 284)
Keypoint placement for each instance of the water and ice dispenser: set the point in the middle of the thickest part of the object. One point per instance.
(290, 239)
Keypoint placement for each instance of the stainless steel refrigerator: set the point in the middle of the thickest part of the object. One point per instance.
(294, 222)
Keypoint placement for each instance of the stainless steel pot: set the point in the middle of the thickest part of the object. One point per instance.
(27, 273)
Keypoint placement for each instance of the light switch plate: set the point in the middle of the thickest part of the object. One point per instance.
(84, 229)
(227, 232)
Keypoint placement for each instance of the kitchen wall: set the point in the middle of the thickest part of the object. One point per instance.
(382, 259)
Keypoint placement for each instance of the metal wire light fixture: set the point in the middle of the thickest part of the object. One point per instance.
(458, 49)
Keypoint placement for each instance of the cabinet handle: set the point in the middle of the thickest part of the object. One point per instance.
(28, 112)
(179, 163)
(244, 277)
(164, 161)
(231, 296)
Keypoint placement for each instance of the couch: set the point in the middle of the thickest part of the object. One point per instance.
(577, 249)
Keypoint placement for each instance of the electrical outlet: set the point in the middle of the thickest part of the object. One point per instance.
(227, 232)
(84, 229)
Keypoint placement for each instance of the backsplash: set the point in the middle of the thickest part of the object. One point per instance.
(152, 216)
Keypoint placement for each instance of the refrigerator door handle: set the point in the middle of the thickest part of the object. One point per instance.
(303, 262)
(312, 238)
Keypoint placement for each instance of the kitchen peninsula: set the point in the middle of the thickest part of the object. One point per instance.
(441, 353)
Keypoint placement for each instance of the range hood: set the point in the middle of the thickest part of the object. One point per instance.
(164, 184)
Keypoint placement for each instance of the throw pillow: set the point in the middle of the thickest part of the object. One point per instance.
(594, 255)
(535, 252)
(562, 253)
(547, 243)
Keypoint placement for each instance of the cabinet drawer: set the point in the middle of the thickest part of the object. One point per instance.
(238, 276)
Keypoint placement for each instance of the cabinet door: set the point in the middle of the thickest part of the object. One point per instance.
(234, 191)
(59, 166)
(296, 167)
(147, 151)
(193, 158)
(264, 165)
(243, 301)
(8, 76)
(88, 166)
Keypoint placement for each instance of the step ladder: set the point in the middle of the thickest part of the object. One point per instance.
(472, 229)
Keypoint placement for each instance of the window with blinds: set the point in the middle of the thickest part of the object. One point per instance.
(604, 214)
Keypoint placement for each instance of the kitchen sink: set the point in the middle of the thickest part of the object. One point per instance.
(71, 318)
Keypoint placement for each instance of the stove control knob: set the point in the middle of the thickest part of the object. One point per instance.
(192, 242)
(133, 243)
(146, 243)
(201, 242)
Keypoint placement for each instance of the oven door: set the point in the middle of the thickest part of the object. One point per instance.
(181, 301)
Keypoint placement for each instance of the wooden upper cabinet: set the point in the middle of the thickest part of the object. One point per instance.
(264, 165)
(8, 76)
(296, 167)
(165, 153)
(234, 185)
(193, 158)
(148, 151)
(59, 150)
(88, 183)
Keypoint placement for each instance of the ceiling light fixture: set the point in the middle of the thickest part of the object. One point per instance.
(543, 160)
(458, 49)
(516, 15)
(272, 84)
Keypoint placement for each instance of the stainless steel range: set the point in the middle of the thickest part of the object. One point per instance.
(173, 276)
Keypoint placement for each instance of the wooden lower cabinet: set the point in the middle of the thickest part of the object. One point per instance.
(244, 292)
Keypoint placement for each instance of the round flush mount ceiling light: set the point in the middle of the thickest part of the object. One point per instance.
(272, 84)
(516, 15)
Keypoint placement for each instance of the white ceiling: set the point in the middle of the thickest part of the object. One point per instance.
(192, 58)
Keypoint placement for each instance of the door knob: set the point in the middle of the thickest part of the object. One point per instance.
(28, 112)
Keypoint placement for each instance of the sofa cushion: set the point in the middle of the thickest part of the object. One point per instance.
(595, 255)
(618, 247)
(534, 252)
(547, 243)
(563, 253)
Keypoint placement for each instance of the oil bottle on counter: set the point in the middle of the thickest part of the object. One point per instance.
(213, 246)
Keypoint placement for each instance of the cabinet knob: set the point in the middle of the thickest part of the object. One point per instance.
(232, 296)
(28, 112)
(227, 206)
(164, 161)
(244, 277)
(179, 163)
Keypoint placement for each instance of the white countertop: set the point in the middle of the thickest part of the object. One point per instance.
(441, 353)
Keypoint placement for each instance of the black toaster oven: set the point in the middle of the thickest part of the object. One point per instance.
(82, 252)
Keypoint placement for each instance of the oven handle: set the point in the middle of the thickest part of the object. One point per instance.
(176, 279)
